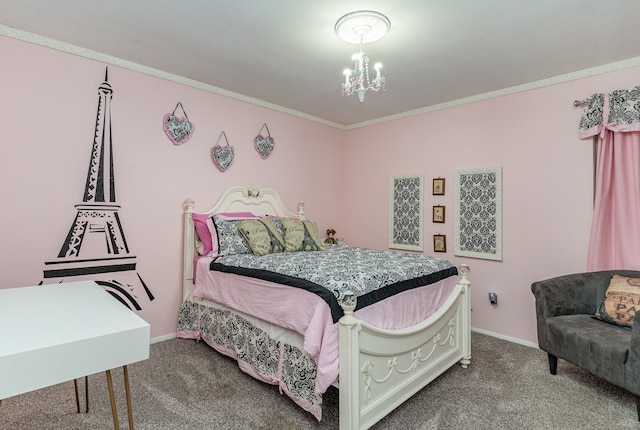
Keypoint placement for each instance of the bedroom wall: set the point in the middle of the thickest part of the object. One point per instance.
(547, 187)
(47, 117)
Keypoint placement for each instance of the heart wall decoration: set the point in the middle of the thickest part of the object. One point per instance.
(178, 130)
(264, 145)
(222, 156)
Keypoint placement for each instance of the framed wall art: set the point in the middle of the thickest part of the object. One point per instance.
(478, 213)
(438, 214)
(406, 212)
(438, 187)
(439, 243)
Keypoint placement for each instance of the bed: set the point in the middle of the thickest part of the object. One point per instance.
(305, 332)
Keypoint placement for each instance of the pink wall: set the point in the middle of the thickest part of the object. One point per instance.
(47, 117)
(547, 187)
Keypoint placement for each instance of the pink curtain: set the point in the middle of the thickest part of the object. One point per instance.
(615, 229)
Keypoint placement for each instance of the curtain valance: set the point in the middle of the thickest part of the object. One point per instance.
(618, 111)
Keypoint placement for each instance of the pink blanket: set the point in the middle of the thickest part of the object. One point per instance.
(309, 315)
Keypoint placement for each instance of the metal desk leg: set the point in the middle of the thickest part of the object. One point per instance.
(75, 387)
(86, 394)
(128, 393)
(114, 410)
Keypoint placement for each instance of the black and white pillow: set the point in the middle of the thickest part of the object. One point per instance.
(230, 240)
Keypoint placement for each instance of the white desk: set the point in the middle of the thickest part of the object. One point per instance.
(55, 333)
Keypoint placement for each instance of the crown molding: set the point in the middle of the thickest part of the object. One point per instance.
(567, 77)
(130, 65)
(104, 58)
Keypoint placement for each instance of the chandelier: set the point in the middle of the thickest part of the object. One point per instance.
(362, 27)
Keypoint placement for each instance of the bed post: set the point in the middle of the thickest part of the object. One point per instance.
(466, 315)
(349, 382)
(188, 248)
(300, 213)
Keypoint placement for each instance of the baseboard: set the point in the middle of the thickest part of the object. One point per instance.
(507, 338)
(162, 338)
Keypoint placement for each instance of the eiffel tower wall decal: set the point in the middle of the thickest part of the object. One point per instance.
(95, 247)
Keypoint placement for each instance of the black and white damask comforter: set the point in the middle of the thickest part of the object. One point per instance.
(259, 287)
(372, 275)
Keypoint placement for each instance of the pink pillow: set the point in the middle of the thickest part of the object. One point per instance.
(200, 223)
(207, 231)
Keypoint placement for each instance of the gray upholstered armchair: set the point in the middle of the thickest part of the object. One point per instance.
(564, 309)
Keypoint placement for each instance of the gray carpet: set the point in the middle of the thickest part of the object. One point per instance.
(186, 385)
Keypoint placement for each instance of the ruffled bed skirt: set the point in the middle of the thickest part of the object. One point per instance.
(259, 354)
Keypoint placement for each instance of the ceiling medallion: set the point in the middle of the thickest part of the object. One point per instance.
(359, 28)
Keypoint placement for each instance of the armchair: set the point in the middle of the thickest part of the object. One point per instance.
(565, 306)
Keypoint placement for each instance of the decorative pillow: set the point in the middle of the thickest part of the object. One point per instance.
(230, 240)
(204, 234)
(261, 235)
(278, 224)
(301, 236)
(207, 238)
(620, 301)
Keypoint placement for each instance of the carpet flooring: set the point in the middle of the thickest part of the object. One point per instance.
(186, 385)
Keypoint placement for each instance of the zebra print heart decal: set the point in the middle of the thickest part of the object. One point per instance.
(222, 156)
(178, 130)
(264, 145)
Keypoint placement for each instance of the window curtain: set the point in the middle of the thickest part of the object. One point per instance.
(615, 231)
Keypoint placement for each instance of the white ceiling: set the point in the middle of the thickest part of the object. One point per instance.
(285, 52)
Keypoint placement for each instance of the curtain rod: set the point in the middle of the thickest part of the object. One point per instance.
(577, 103)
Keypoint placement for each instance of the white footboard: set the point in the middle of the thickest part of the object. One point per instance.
(380, 369)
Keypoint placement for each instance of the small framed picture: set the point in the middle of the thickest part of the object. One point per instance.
(438, 187)
(438, 214)
(439, 243)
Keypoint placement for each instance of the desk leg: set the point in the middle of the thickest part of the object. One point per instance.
(114, 410)
(128, 393)
(75, 387)
(86, 394)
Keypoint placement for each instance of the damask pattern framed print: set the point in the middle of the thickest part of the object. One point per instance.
(406, 212)
(477, 228)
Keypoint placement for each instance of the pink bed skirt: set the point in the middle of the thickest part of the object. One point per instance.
(277, 362)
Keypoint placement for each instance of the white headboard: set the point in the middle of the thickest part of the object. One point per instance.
(259, 201)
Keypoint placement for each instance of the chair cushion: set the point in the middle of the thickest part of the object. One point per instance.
(594, 345)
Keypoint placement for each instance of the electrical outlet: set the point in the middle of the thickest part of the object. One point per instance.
(493, 298)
